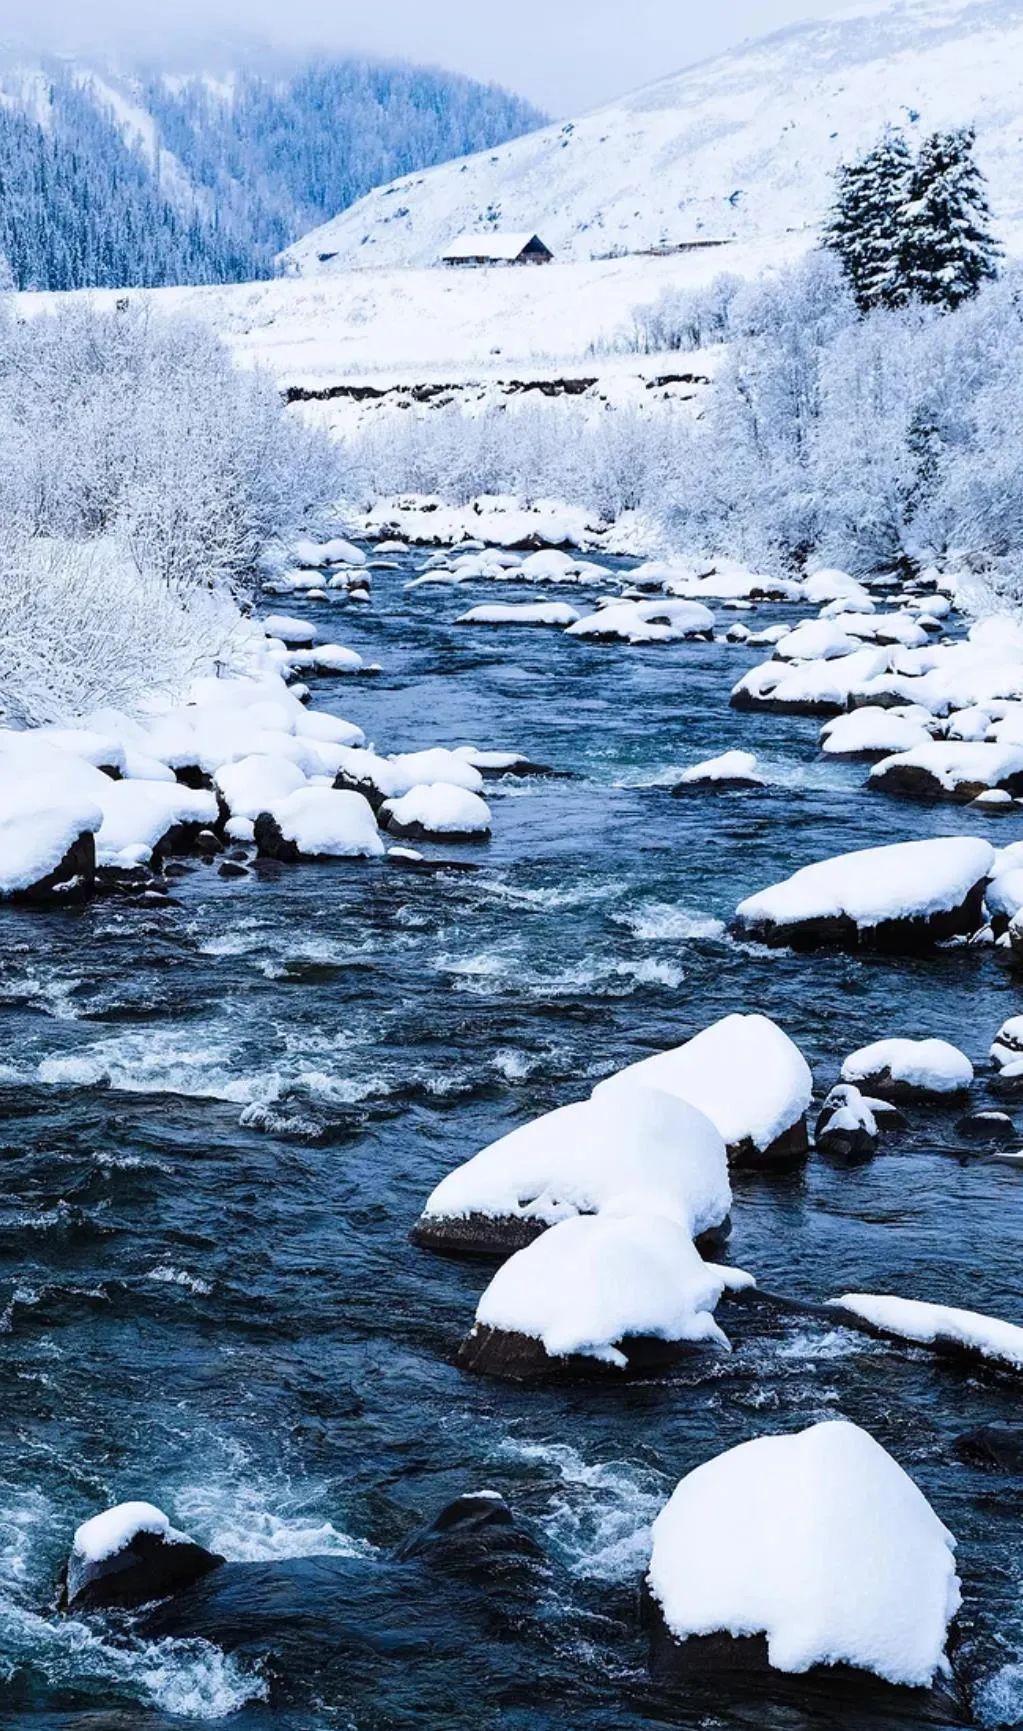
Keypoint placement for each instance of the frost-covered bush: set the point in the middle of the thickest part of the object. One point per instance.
(129, 422)
(684, 318)
(144, 479)
(81, 628)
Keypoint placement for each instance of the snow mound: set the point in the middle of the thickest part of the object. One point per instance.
(314, 555)
(437, 809)
(591, 1282)
(520, 613)
(325, 823)
(38, 824)
(871, 730)
(914, 1066)
(743, 1073)
(938, 1324)
(730, 766)
(913, 881)
(106, 1534)
(645, 622)
(815, 640)
(951, 769)
(809, 687)
(819, 1541)
(632, 1150)
(257, 783)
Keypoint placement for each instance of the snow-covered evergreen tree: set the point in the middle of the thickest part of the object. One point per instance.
(948, 248)
(865, 225)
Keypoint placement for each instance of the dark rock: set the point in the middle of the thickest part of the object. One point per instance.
(987, 1126)
(190, 775)
(473, 1525)
(207, 842)
(148, 1568)
(718, 784)
(498, 1236)
(889, 1087)
(411, 863)
(177, 869)
(420, 832)
(346, 783)
(912, 781)
(74, 878)
(271, 843)
(993, 1445)
(519, 1358)
(789, 1149)
(825, 1694)
(230, 868)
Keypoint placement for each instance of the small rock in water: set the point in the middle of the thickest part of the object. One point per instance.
(130, 1555)
(988, 1126)
(230, 868)
(847, 1128)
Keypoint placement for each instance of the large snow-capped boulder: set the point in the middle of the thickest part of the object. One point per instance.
(47, 833)
(146, 818)
(909, 1069)
(598, 1294)
(381, 778)
(632, 1149)
(437, 812)
(746, 1076)
(319, 823)
(815, 640)
(799, 1552)
(293, 633)
(951, 769)
(905, 897)
(809, 687)
(958, 1333)
(130, 1555)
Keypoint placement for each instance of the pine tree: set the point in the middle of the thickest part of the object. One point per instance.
(865, 224)
(948, 248)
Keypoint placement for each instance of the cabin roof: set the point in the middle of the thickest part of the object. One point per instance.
(491, 245)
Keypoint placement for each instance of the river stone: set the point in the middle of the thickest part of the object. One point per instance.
(825, 1694)
(422, 832)
(993, 1445)
(518, 1357)
(987, 1126)
(915, 781)
(490, 1236)
(846, 1127)
(149, 1567)
(468, 1530)
(73, 876)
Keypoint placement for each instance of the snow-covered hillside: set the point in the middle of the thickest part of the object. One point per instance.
(739, 148)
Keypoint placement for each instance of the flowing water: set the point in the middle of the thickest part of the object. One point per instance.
(221, 1116)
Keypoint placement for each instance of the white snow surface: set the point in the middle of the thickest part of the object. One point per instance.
(730, 766)
(588, 1282)
(873, 729)
(629, 1150)
(911, 879)
(257, 783)
(106, 1534)
(743, 1073)
(818, 1540)
(324, 822)
(914, 1319)
(441, 809)
(935, 1066)
(952, 763)
(520, 613)
(661, 621)
(38, 823)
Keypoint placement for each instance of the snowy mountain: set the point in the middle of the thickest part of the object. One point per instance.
(739, 148)
(123, 177)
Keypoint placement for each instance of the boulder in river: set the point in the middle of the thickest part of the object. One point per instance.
(318, 823)
(904, 898)
(47, 843)
(732, 771)
(468, 1529)
(130, 1555)
(437, 813)
(993, 1445)
(902, 1070)
(598, 1295)
(812, 1555)
(951, 769)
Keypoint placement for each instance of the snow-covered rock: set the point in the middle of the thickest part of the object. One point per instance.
(909, 1069)
(1007, 1049)
(293, 633)
(904, 897)
(598, 1293)
(143, 817)
(846, 1128)
(815, 640)
(46, 838)
(630, 1150)
(319, 823)
(828, 585)
(102, 750)
(131, 1555)
(874, 732)
(520, 613)
(645, 622)
(437, 810)
(256, 784)
(948, 769)
(745, 1075)
(314, 555)
(327, 658)
(817, 1544)
(939, 1325)
(809, 687)
(731, 769)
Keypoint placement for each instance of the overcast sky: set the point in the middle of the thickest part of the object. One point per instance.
(566, 55)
